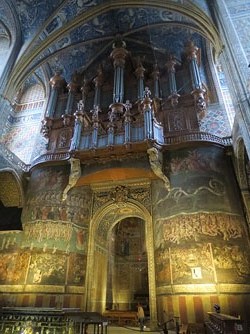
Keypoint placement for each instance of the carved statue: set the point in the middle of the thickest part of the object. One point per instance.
(156, 165)
(75, 173)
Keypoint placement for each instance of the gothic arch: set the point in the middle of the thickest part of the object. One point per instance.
(101, 224)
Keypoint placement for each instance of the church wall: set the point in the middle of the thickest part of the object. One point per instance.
(201, 243)
(45, 264)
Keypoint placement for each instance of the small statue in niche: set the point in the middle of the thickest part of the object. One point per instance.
(155, 159)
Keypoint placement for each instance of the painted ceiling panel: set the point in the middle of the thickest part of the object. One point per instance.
(33, 13)
(71, 34)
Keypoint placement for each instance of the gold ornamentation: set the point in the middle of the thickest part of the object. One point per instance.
(120, 194)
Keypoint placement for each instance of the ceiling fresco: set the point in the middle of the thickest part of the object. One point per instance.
(70, 35)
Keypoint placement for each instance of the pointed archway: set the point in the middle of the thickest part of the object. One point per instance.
(102, 223)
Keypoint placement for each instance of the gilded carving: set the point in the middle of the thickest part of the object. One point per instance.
(123, 194)
(120, 194)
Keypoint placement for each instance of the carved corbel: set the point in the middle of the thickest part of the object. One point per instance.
(155, 159)
(75, 174)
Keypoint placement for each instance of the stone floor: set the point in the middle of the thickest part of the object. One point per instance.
(128, 330)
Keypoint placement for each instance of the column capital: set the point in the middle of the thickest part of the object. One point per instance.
(74, 85)
(191, 50)
(139, 72)
(57, 81)
(98, 80)
(170, 64)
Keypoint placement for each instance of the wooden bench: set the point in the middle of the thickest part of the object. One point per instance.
(121, 317)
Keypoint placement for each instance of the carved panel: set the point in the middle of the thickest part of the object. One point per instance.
(138, 191)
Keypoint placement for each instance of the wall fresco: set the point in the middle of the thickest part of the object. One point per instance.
(201, 180)
(47, 269)
(13, 267)
(162, 266)
(44, 198)
(232, 263)
(198, 227)
(183, 249)
(39, 257)
(56, 236)
(77, 269)
(192, 263)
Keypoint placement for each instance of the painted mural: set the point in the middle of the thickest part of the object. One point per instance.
(44, 201)
(77, 269)
(47, 269)
(13, 267)
(26, 259)
(232, 263)
(201, 180)
(205, 255)
(199, 227)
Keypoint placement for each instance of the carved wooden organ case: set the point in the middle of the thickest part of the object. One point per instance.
(125, 102)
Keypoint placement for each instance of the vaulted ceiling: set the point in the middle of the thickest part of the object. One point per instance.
(72, 34)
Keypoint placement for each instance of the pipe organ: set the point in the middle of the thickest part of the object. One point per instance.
(130, 119)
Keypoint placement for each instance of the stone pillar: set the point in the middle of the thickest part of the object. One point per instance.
(146, 105)
(118, 55)
(139, 72)
(198, 90)
(173, 97)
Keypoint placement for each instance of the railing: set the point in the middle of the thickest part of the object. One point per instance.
(171, 324)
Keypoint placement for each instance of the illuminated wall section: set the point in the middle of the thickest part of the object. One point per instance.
(201, 246)
(45, 264)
